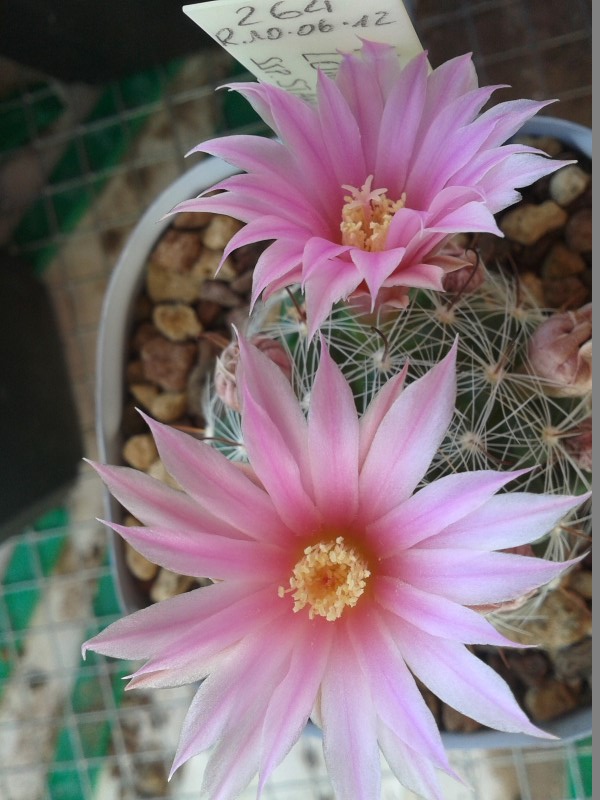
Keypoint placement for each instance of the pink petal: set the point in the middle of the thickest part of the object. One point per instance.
(432, 165)
(157, 627)
(216, 483)
(236, 757)
(278, 470)
(462, 680)
(520, 170)
(276, 196)
(259, 96)
(349, 726)
(509, 117)
(158, 505)
(474, 217)
(377, 409)
(433, 508)
(220, 705)
(367, 106)
(333, 442)
(204, 555)
(407, 439)
(339, 125)
(447, 620)
(249, 153)
(265, 227)
(299, 128)
(374, 268)
(194, 653)
(407, 224)
(447, 83)
(418, 276)
(399, 126)
(508, 520)
(413, 771)
(292, 701)
(327, 287)
(278, 261)
(233, 205)
(275, 432)
(471, 577)
(395, 696)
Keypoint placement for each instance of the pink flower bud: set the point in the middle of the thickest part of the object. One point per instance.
(226, 366)
(466, 279)
(560, 352)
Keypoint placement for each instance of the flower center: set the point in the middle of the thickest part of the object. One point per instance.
(329, 577)
(366, 216)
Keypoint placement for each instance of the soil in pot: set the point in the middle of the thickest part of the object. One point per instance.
(182, 321)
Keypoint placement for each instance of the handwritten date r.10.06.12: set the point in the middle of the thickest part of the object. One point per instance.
(254, 26)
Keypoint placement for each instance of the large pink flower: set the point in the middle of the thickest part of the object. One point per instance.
(336, 580)
(361, 191)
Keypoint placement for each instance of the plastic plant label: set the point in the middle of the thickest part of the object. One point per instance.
(287, 41)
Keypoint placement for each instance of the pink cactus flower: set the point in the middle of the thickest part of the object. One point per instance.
(361, 191)
(338, 577)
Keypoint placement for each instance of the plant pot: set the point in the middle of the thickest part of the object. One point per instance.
(115, 327)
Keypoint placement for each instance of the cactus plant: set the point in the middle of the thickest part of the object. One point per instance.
(506, 417)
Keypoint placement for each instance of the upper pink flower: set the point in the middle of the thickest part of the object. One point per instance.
(337, 580)
(361, 191)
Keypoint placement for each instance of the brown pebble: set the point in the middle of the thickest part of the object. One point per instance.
(142, 334)
(580, 582)
(219, 231)
(138, 564)
(134, 372)
(191, 220)
(574, 661)
(177, 250)
(205, 268)
(578, 231)
(140, 451)
(530, 667)
(548, 144)
(208, 313)
(142, 308)
(144, 393)
(168, 363)
(132, 423)
(166, 285)
(219, 292)
(456, 722)
(566, 293)
(158, 470)
(560, 620)
(168, 406)
(533, 286)
(176, 321)
(527, 223)
(168, 584)
(243, 283)
(549, 701)
(568, 184)
(561, 262)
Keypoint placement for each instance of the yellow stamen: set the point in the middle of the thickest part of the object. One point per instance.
(329, 577)
(366, 216)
